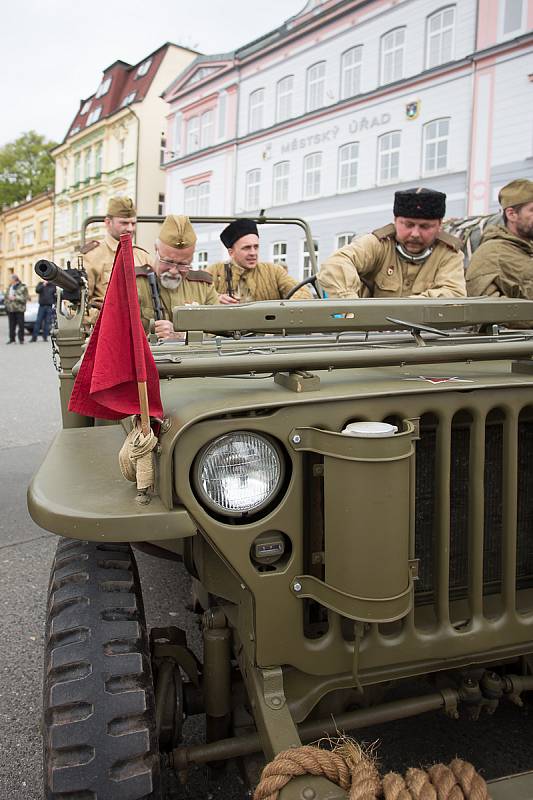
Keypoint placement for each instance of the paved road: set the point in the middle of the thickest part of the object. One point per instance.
(29, 419)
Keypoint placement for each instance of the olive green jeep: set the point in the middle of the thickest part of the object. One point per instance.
(350, 485)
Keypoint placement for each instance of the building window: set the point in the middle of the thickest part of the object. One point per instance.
(189, 200)
(207, 129)
(389, 157)
(222, 105)
(203, 199)
(280, 184)
(96, 205)
(312, 175)
(176, 138)
(65, 177)
(436, 135)
(307, 266)
(348, 166)
(161, 205)
(351, 72)
(98, 160)
(253, 186)
(342, 239)
(440, 34)
(143, 69)
(121, 152)
(77, 168)
(94, 116)
(255, 110)
(75, 130)
(75, 220)
(162, 150)
(279, 253)
(12, 240)
(316, 84)
(28, 235)
(87, 163)
(193, 134)
(103, 89)
(84, 208)
(284, 91)
(392, 50)
(128, 99)
(513, 20)
(86, 107)
(202, 259)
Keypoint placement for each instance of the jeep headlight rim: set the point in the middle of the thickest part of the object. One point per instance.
(238, 473)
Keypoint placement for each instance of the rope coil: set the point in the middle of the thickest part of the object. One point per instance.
(356, 773)
(136, 458)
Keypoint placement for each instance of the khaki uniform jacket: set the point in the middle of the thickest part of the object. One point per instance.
(370, 266)
(98, 260)
(501, 266)
(196, 287)
(265, 281)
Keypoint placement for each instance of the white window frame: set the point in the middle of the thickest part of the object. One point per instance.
(280, 183)
(207, 128)
(88, 163)
(312, 173)
(252, 193)
(96, 204)
(503, 34)
(284, 96)
(75, 216)
(392, 51)
(28, 236)
(342, 239)
(351, 66)
(176, 135)
(11, 240)
(85, 207)
(306, 261)
(94, 116)
(126, 101)
(143, 68)
(349, 185)
(193, 134)
(98, 157)
(103, 88)
(392, 174)
(77, 167)
(86, 106)
(202, 199)
(434, 142)
(438, 35)
(44, 230)
(315, 86)
(202, 259)
(190, 200)
(279, 253)
(256, 104)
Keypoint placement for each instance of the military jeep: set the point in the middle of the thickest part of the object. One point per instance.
(350, 485)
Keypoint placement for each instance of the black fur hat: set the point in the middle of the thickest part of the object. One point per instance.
(236, 229)
(420, 204)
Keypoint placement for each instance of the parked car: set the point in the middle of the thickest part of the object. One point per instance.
(30, 315)
(2, 303)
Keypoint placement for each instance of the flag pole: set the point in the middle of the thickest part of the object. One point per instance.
(143, 403)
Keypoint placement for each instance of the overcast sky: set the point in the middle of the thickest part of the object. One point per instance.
(53, 53)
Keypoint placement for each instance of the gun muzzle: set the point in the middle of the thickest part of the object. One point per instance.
(50, 272)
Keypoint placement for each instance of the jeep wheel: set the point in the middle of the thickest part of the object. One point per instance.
(99, 711)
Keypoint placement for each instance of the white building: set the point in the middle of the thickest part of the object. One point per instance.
(326, 116)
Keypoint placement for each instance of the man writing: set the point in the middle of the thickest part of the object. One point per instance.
(98, 257)
(244, 278)
(411, 257)
(503, 263)
(171, 282)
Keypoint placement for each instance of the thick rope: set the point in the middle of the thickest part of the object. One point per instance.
(136, 458)
(356, 773)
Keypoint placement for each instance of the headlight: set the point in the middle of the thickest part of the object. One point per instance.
(238, 473)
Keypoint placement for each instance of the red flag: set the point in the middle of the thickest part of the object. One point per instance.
(118, 356)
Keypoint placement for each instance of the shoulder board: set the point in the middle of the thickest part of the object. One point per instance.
(199, 275)
(450, 241)
(88, 246)
(385, 231)
(143, 272)
(136, 247)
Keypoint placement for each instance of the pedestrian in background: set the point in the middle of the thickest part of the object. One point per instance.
(47, 298)
(16, 299)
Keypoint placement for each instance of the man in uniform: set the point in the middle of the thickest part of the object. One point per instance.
(411, 257)
(503, 263)
(98, 257)
(244, 278)
(172, 282)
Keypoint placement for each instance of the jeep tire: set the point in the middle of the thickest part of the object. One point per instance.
(99, 710)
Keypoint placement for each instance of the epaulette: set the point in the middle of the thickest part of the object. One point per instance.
(450, 241)
(143, 272)
(138, 247)
(88, 246)
(199, 275)
(385, 232)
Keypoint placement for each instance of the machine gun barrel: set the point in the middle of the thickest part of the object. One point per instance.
(50, 272)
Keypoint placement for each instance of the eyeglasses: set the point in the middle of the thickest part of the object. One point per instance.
(172, 263)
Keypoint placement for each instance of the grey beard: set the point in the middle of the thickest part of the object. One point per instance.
(170, 282)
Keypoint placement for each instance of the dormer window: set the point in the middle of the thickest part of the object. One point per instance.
(75, 130)
(143, 69)
(86, 107)
(94, 116)
(128, 99)
(103, 88)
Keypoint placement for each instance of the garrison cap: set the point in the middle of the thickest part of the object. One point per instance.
(121, 207)
(236, 230)
(419, 203)
(177, 231)
(516, 193)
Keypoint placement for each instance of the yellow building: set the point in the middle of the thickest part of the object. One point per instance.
(114, 146)
(25, 237)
